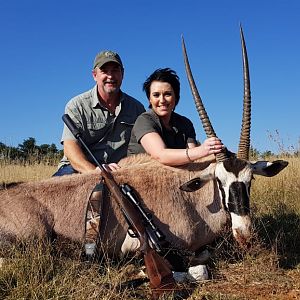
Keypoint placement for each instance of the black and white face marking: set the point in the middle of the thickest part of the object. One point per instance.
(238, 200)
(234, 178)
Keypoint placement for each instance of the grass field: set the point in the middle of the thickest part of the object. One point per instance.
(270, 269)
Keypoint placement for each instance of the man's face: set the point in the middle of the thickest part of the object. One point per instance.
(109, 78)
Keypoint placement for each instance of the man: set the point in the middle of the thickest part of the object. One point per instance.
(105, 116)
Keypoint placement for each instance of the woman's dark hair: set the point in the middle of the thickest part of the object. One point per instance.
(163, 75)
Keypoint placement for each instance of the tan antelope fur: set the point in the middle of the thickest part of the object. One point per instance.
(58, 205)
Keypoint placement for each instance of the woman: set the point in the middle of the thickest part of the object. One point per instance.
(165, 135)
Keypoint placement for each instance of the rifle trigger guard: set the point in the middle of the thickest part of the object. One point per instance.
(131, 232)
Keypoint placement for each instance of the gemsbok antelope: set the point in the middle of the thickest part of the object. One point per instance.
(190, 204)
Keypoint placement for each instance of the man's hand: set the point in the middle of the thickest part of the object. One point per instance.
(110, 167)
(77, 158)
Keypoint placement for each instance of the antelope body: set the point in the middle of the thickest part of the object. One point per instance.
(57, 206)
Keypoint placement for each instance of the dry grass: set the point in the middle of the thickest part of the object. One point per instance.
(270, 269)
(34, 271)
(19, 173)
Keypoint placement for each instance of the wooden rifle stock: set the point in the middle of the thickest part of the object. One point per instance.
(158, 271)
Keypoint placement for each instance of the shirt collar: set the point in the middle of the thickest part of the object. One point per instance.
(172, 120)
(95, 100)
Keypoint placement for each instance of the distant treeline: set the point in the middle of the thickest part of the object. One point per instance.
(291, 152)
(30, 152)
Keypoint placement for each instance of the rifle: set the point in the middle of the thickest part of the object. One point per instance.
(155, 236)
(158, 271)
(179, 259)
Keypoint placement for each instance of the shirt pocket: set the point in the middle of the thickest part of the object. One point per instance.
(97, 130)
(126, 128)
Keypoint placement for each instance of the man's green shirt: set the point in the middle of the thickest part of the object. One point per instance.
(107, 135)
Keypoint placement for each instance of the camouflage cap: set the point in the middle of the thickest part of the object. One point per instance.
(105, 57)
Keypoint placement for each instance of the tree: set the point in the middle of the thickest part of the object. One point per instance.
(30, 152)
(267, 154)
(10, 153)
(28, 147)
(2, 147)
(254, 153)
(53, 149)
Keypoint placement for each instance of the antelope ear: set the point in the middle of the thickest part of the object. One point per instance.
(268, 169)
(193, 185)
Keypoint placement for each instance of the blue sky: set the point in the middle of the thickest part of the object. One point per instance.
(47, 50)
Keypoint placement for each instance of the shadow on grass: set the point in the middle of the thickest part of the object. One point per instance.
(277, 232)
(280, 232)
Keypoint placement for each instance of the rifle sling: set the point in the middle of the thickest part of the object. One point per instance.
(93, 221)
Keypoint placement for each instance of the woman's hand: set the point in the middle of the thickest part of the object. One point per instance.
(212, 145)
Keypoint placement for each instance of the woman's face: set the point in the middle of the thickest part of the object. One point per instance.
(162, 98)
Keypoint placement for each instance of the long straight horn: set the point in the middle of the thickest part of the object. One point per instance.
(244, 144)
(208, 128)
